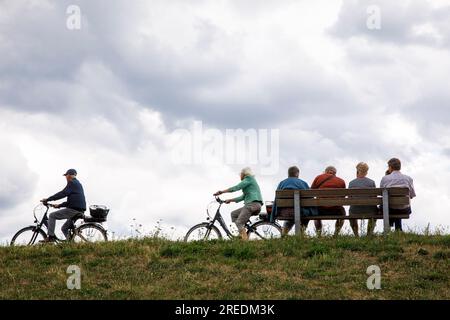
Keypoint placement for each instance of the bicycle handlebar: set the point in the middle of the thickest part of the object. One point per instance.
(48, 205)
(219, 200)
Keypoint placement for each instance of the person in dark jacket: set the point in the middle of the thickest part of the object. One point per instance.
(293, 182)
(75, 205)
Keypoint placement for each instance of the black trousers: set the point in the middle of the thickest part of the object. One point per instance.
(396, 222)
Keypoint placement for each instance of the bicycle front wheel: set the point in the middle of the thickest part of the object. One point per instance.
(203, 232)
(263, 230)
(28, 236)
(89, 232)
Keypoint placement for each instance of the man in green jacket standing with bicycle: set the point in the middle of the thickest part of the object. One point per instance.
(252, 200)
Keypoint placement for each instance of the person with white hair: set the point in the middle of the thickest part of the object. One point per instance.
(329, 180)
(362, 181)
(252, 200)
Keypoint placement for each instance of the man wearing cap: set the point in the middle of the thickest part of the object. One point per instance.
(75, 205)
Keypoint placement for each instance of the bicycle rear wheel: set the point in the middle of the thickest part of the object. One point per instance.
(203, 232)
(28, 236)
(263, 230)
(89, 232)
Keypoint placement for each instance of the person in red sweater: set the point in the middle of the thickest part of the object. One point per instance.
(329, 180)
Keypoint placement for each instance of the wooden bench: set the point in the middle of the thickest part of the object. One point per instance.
(289, 203)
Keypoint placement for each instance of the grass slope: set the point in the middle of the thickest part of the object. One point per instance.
(412, 267)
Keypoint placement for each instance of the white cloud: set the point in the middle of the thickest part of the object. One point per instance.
(106, 100)
(17, 181)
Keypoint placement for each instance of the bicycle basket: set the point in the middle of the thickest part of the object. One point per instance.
(99, 212)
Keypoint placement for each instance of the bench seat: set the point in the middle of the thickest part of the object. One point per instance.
(289, 215)
(289, 203)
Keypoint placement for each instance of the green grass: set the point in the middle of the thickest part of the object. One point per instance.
(412, 267)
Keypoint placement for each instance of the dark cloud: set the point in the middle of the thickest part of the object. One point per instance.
(111, 68)
(404, 65)
(45, 60)
(431, 109)
(447, 152)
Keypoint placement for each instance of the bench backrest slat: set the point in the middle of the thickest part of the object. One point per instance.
(326, 202)
(287, 194)
(342, 197)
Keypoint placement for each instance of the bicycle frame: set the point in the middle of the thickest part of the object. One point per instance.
(43, 223)
(254, 229)
(75, 230)
(43, 220)
(218, 217)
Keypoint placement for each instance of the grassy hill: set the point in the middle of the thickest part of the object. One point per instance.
(412, 267)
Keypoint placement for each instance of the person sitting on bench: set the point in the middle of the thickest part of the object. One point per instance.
(294, 183)
(362, 181)
(329, 180)
(395, 178)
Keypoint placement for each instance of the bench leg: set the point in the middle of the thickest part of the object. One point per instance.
(387, 227)
(297, 214)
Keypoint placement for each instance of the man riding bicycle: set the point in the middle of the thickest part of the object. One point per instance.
(75, 205)
(252, 200)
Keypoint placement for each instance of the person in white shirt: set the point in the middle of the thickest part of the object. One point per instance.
(394, 178)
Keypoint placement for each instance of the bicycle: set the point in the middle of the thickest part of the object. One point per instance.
(261, 229)
(90, 230)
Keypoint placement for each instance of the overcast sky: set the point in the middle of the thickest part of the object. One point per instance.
(107, 99)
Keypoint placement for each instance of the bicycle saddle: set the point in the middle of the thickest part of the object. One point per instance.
(77, 217)
(264, 216)
(256, 212)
